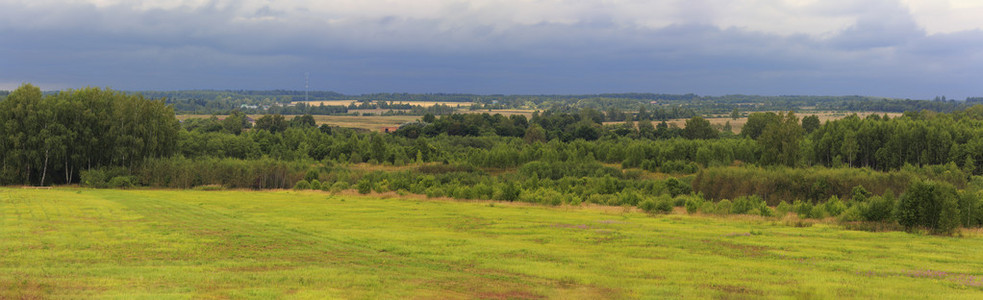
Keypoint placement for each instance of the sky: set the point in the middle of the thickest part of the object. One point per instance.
(914, 49)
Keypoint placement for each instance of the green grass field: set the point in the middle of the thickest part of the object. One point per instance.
(82, 243)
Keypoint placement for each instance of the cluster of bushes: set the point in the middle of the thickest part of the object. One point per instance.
(180, 172)
(814, 184)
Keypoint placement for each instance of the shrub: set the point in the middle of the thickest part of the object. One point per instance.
(93, 178)
(315, 184)
(680, 200)
(949, 216)
(746, 205)
(364, 186)
(648, 205)
(693, 204)
(783, 209)
(859, 194)
(302, 185)
(854, 213)
(629, 197)
(602, 199)
(677, 187)
(834, 207)
(339, 186)
(801, 208)
(312, 175)
(723, 207)
(765, 211)
(664, 204)
(122, 182)
(818, 212)
(878, 208)
(929, 204)
(508, 192)
(708, 207)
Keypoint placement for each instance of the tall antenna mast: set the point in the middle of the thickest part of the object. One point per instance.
(307, 86)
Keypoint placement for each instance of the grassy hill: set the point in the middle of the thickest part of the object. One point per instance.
(71, 243)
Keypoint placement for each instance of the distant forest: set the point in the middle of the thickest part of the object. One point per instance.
(684, 105)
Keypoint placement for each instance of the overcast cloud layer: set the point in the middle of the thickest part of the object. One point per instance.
(894, 48)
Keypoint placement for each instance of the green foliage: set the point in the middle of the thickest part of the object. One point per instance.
(49, 138)
(312, 175)
(723, 207)
(803, 209)
(708, 207)
(664, 204)
(629, 197)
(364, 186)
(929, 204)
(699, 128)
(816, 183)
(315, 184)
(810, 123)
(834, 207)
(121, 182)
(747, 205)
(780, 141)
(859, 194)
(648, 205)
(878, 208)
(693, 204)
(784, 208)
(302, 185)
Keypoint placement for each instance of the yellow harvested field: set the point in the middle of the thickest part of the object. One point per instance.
(420, 103)
(373, 123)
(737, 124)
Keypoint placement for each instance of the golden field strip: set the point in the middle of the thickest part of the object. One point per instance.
(69, 243)
(419, 103)
(376, 123)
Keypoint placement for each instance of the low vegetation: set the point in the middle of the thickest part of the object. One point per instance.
(86, 243)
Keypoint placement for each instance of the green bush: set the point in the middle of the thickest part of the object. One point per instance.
(802, 208)
(724, 207)
(339, 186)
(680, 200)
(834, 207)
(783, 209)
(765, 211)
(747, 205)
(629, 197)
(708, 207)
(664, 204)
(302, 185)
(312, 175)
(648, 205)
(878, 208)
(364, 186)
(122, 182)
(929, 204)
(315, 184)
(818, 212)
(693, 204)
(93, 178)
(854, 213)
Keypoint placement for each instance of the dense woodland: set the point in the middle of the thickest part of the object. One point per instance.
(919, 170)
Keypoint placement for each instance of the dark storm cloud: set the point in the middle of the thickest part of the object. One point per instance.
(884, 51)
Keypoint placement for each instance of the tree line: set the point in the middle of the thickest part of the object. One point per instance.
(777, 163)
(46, 139)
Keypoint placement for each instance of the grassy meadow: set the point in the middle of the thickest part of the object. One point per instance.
(153, 244)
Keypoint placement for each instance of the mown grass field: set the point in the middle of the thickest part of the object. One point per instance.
(83, 243)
